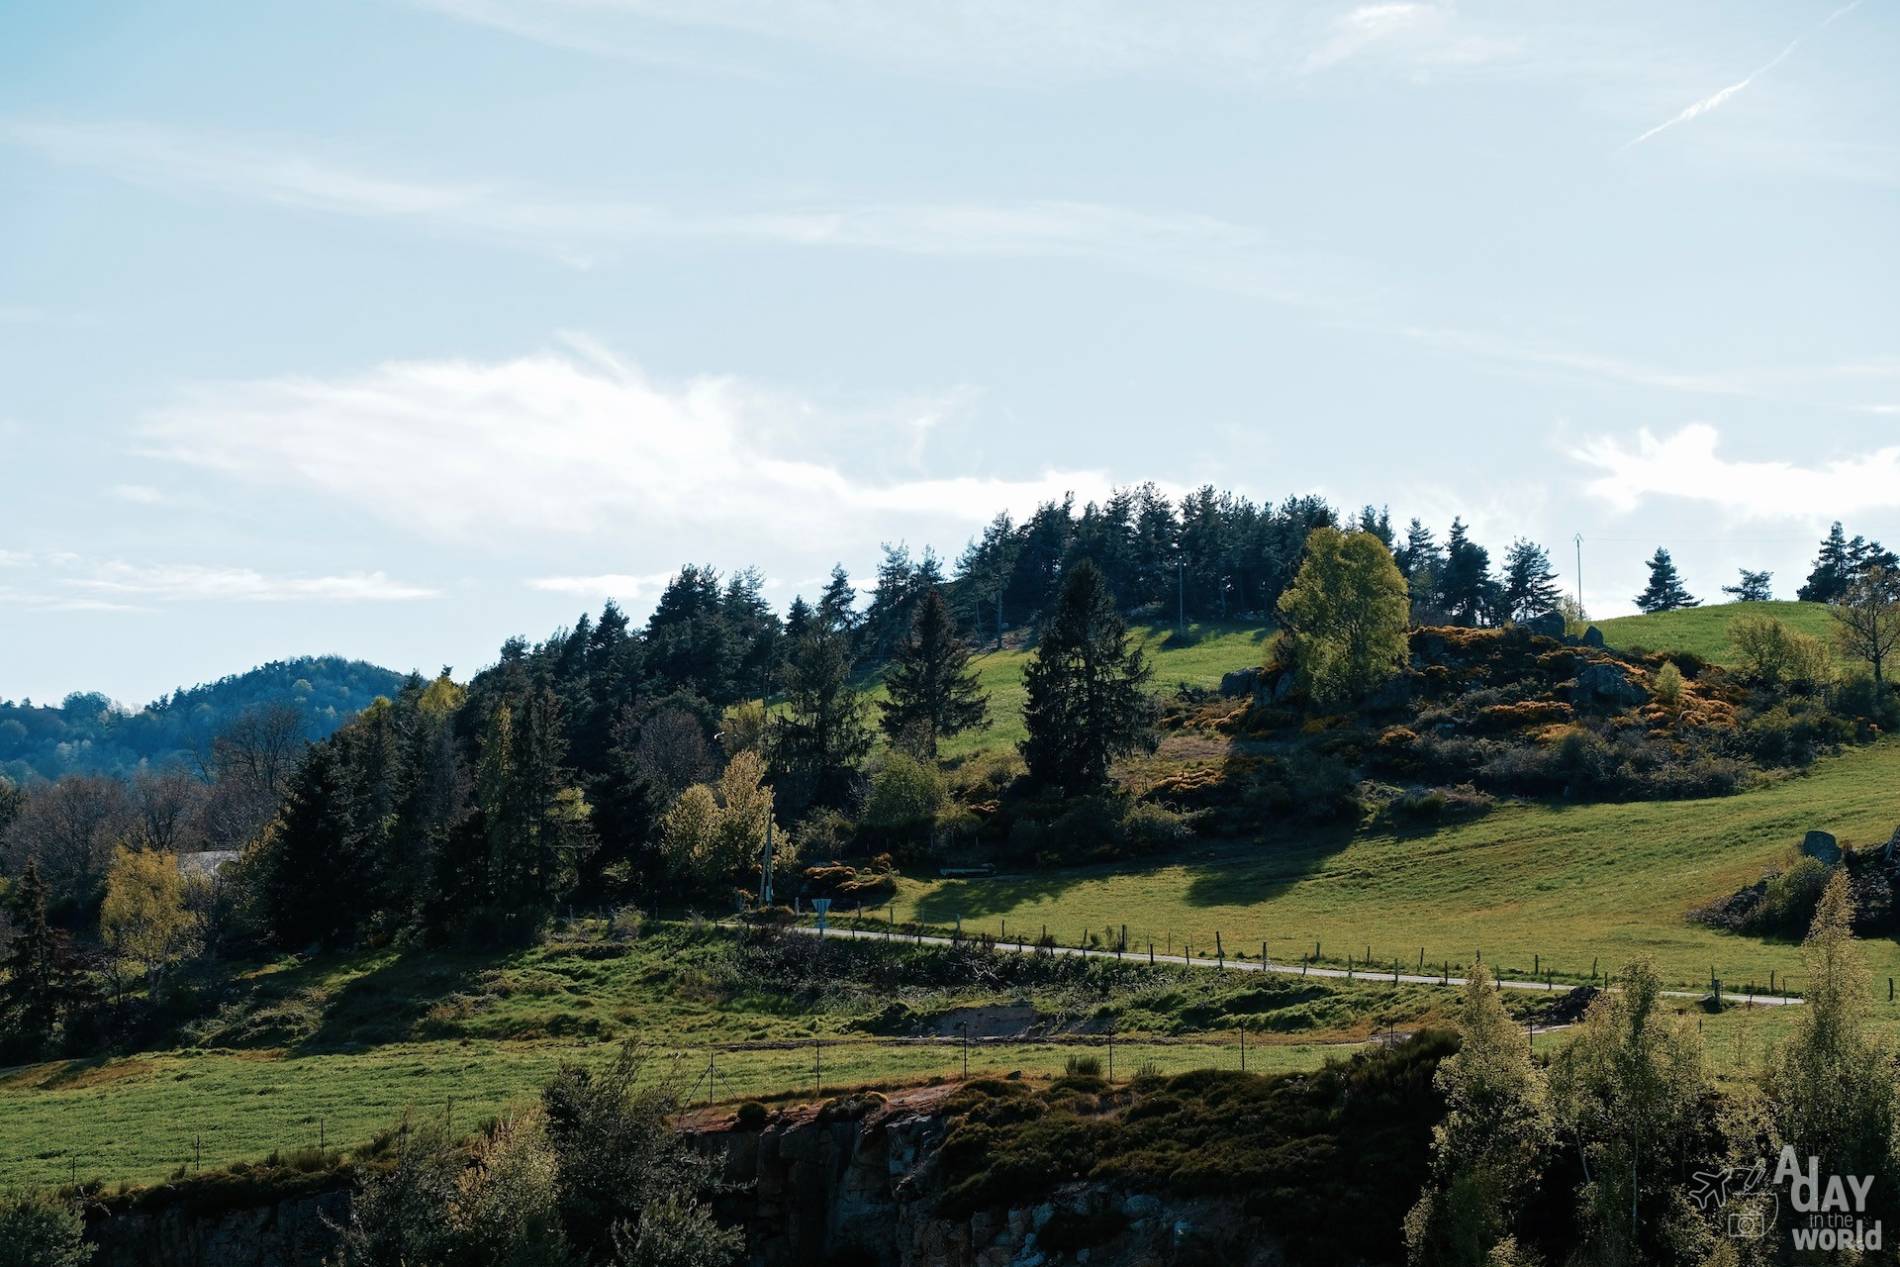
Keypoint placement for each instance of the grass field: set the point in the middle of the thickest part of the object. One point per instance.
(1197, 657)
(137, 1120)
(1704, 631)
(336, 1049)
(1550, 887)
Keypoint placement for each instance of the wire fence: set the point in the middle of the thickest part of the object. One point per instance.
(1305, 952)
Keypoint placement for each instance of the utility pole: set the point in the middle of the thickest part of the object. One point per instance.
(765, 867)
(999, 618)
(1580, 576)
(1180, 595)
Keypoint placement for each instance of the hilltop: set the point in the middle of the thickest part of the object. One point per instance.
(88, 733)
(1707, 631)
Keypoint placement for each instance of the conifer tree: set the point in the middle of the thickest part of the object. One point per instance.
(932, 690)
(1087, 703)
(40, 982)
(1530, 583)
(1751, 587)
(1665, 592)
(820, 743)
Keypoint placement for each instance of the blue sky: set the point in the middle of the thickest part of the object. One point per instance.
(394, 327)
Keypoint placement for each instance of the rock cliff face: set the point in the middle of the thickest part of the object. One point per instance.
(857, 1185)
(293, 1232)
(853, 1184)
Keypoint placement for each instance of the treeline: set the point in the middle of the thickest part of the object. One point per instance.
(87, 733)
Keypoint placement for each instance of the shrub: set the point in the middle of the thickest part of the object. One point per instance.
(751, 1116)
(39, 1230)
(1082, 1067)
(1787, 907)
(1667, 685)
(905, 796)
(625, 924)
(1147, 826)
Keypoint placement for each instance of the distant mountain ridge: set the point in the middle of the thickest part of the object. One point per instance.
(88, 733)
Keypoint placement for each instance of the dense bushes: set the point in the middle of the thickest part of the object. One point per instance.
(1297, 1149)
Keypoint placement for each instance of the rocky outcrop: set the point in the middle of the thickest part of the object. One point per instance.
(156, 1232)
(858, 1183)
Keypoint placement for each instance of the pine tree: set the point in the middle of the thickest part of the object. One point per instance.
(820, 743)
(1751, 587)
(1832, 569)
(1530, 583)
(837, 605)
(933, 692)
(1086, 699)
(534, 820)
(1467, 591)
(1421, 561)
(1665, 592)
(40, 982)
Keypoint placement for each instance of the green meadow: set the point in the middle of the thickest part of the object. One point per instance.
(1707, 631)
(1534, 888)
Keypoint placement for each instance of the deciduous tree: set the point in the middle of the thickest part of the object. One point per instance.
(1346, 615)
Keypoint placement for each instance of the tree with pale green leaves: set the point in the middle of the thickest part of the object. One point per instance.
(1346, 615)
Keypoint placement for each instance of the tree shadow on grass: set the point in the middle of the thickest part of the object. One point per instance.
(389, 1003)
(1220, 874)
(1266, 869)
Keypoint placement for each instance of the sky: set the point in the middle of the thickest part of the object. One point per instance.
(393, 328)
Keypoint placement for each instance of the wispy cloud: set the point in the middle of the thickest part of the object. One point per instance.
(66, 582)
(1181, 246)
(196, 582)
(576, 444)
(607, 585)
(1688, 466)
(1224, 41)
(1425, 35)
(1715, 100)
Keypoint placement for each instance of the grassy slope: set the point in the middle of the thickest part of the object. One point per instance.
(346, 1045)
(1564, 884)
(1199, 659)
(1705, 630)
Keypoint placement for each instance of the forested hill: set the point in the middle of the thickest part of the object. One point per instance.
(87, 732)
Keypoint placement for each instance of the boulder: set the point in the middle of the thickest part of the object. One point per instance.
(1821, 845)
(1239, 683)
(1546, 625)
(1606, 686)
(1593, 637)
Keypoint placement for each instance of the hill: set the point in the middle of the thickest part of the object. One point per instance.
(1198, 656)
(89, 733)
(1704, 631)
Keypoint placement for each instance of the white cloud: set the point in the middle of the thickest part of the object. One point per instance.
(1221, 40)
(607, 585)
(1687, 466)
(579, 446)
(195, 582)
(66, 582)
(1425, 35)
(1721, 96)
(1181, 246)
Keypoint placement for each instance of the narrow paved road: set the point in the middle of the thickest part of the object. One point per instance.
(1254, 965)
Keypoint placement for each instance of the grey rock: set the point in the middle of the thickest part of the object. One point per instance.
(1604, 685)
(1547, 625)
(1593, 637)
(1239, 683)
(1821, 845)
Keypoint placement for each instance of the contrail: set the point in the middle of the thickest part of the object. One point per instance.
(1715, 99)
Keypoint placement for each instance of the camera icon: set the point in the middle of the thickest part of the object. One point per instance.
(1746, 1225)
